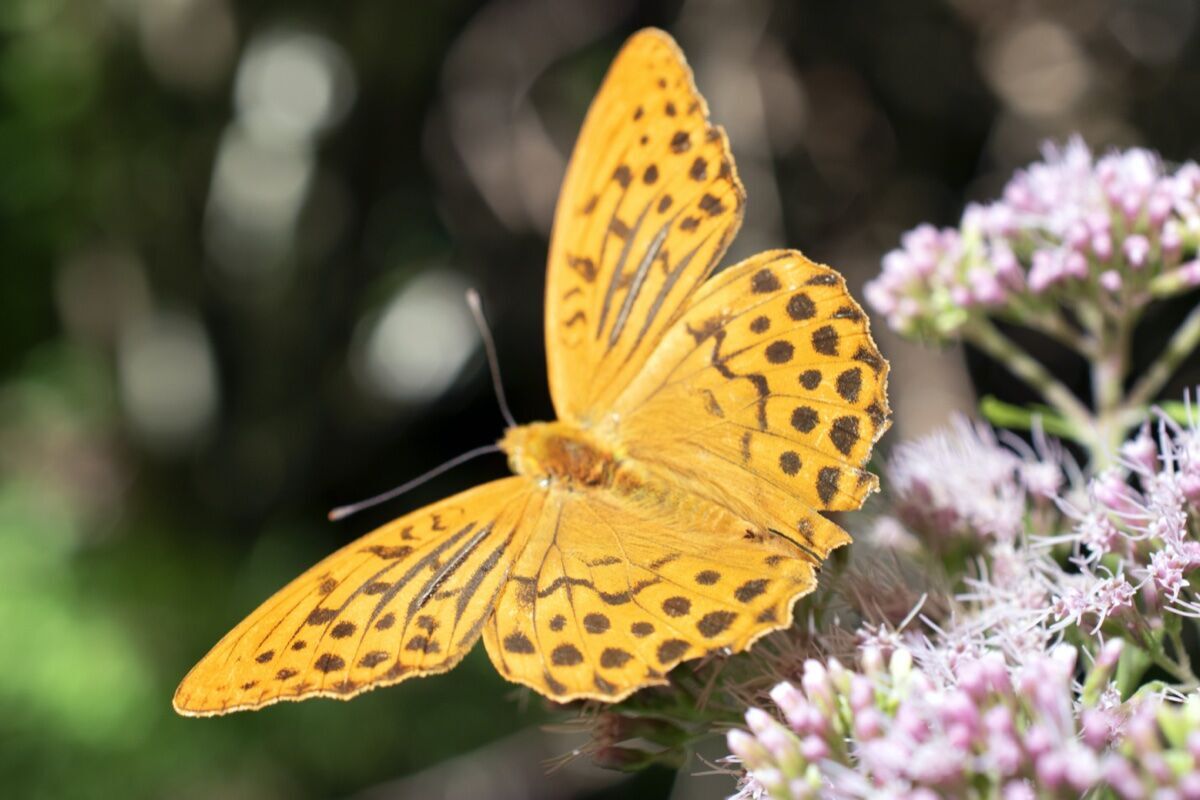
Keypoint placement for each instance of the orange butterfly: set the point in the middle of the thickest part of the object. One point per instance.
(672, 510)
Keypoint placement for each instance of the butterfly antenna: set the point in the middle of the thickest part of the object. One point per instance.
(341, 512)
(489, 347)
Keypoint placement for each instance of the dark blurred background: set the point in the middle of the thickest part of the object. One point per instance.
(234, 240)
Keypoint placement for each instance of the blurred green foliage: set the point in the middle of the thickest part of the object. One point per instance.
(104, 603)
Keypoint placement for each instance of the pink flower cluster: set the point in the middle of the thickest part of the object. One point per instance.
(961, 484)
(1142, 520)
(985, 730)
(1114, 231)
(1131, 533)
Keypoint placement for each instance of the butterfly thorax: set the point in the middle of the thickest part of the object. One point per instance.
(561, 453)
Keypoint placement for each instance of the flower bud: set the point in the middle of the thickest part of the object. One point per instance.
(1082, 769)
(748, 749)
(800, 789)
(1142, 452)
(862, 693)
(814, 748)
(1005, 755)
(1158, 208)
(1051, 770)
(958, 708)
(772, 780)
(1018, 790)
(792, 703)
(1137, 250)
(869, 723)
(785, 749)
(1038, 741)
(1118, 774)
(1171, 240)
(817, 685)
(999, 720)
(1096, 725)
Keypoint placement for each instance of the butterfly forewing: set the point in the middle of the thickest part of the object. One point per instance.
(408, 599)
(650, 203)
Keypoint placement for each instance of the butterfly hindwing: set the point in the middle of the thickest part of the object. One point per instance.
(615, 590)
(650, 202)
(766, 397)
(408, 599)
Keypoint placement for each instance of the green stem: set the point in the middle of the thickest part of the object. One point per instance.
(1053, 324)
(1171, 283)
(988, 338)
(1109, 368)
(1183, 663)
(1180, 346)
(1181, 673)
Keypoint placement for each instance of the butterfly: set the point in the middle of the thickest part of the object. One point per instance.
(673, 508)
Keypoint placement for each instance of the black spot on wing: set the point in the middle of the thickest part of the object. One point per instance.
(614, 658)
(827, 483)
(715, 622)
(329, 662)
(764, 281)
(519, 643)
(750, 590)
(844, 433)
(801, 307)
(869, 357)
(672, 649)
(566, 655)
(849, 384)
(677, 606)
(343, 630)
(825, 340)
(804, 419)
(780, 352)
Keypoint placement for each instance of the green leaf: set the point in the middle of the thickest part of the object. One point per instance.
(1177, 411)
(1131, 667)
(1007, 415)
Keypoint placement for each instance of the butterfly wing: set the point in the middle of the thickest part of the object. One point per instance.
(616, 589)
(649, 204)
(766, 397)
(408, 599)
